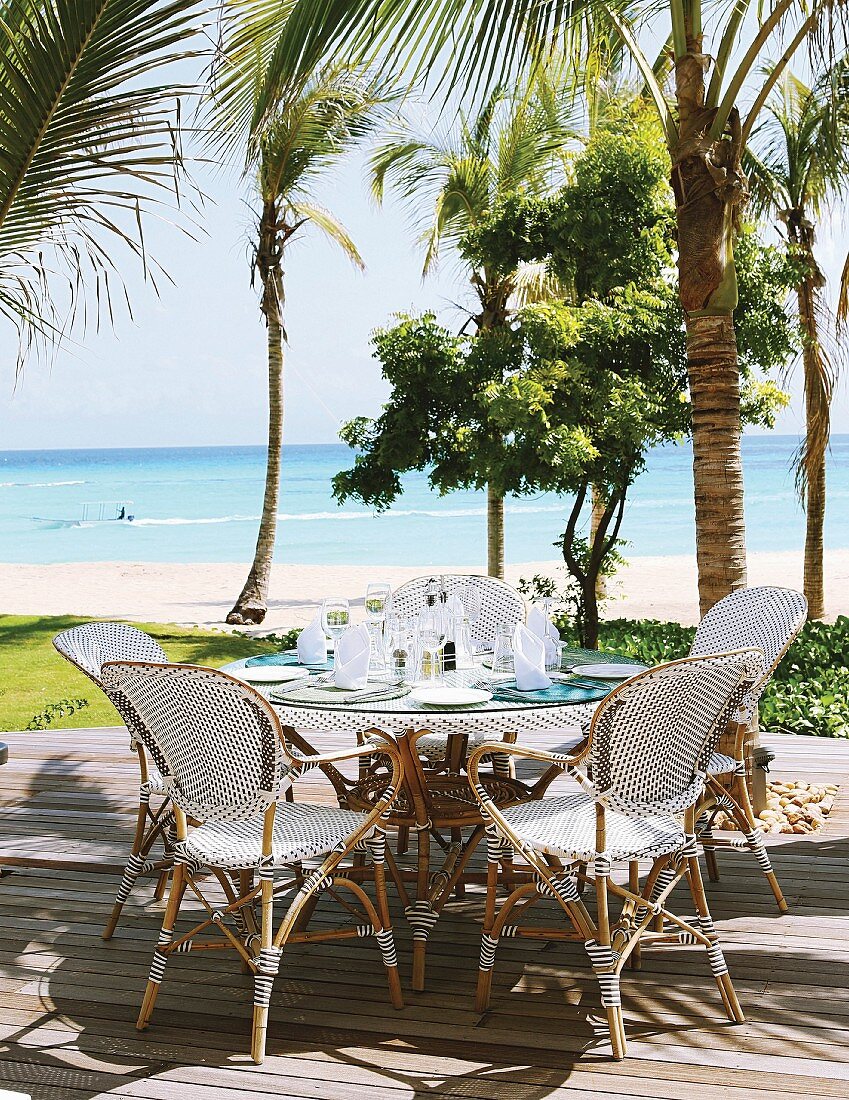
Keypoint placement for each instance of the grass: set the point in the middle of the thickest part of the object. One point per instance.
(38, 686)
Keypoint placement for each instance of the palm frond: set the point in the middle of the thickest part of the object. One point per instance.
(88, 142)
(330, 226)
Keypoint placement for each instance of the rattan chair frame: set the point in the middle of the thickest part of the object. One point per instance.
(610, 944)
(88, 647)
(253, 936)
(771, 619)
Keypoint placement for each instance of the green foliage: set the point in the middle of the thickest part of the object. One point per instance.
(65, 708)
(809, 692)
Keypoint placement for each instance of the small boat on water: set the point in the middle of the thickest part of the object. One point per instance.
(93, 512)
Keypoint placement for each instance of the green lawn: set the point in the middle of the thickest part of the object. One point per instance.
(33, 675)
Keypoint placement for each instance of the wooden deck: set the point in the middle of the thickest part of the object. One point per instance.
(68, 1001)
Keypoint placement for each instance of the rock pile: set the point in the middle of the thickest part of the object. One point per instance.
(793, 806)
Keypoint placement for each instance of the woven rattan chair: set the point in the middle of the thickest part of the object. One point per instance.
(88, 647)
(768, 619)
(647, 750)
(227, 763)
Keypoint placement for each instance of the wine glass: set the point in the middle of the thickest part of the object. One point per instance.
(502, 652)
(377, 597)
(335, 617)
(431, 639)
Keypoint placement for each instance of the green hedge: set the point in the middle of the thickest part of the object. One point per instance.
(809, 692)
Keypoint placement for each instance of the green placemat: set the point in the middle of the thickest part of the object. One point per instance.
(290, 660)
(328, 695)
(558, 693)
(577, 656)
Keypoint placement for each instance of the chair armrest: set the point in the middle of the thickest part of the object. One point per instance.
(527, 752)
(367, 748)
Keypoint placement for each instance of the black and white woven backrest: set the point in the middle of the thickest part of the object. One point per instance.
(498, 601)
(91, 645)
(761, 618)
(220, 739)
(651, 736)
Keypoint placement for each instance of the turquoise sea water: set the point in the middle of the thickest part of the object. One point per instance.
(202, 504)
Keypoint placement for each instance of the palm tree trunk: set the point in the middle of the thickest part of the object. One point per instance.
(717, 461)
(495, 532)
(818, 392)
(252, 605)
(708, 183)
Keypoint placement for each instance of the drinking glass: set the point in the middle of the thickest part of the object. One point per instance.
(377, 597)
(502, 653)
(400, 659)
(553, 655)
(470, 597)
(431, 640)
(335, 617)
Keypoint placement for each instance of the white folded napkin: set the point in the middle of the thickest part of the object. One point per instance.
(529, 660)
(350, 669)
(543, 627)
(312, 644)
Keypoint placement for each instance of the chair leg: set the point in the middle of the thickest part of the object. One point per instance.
(744, 818)
(134, 867)
(710, 862)
(385, 937)
(160, 955)
(268, 964)
(161, 885)
(403, 839)
(601, 956)
(717, 960)
(488, 944)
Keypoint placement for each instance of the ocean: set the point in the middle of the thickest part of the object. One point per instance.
(201, 504)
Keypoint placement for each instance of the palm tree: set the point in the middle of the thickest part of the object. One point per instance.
(301, 141)
(474, 42)
(514, 143)
(798, 164)
(88, 146)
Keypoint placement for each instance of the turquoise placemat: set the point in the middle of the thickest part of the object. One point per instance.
(289, 659)
(557, 693)
(576, 656)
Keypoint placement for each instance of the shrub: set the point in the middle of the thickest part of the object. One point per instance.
(809, 692)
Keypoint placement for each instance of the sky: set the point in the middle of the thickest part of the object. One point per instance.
(189, 367)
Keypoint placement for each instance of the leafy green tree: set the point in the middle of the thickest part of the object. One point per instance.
(89, 146)
(300, 143)
(798, 164)
(516, 142)
(465, 45)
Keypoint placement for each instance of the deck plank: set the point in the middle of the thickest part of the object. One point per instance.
(68, 1001)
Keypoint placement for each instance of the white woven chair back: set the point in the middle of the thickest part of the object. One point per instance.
(499, 602)
(762, 618)
(652, 735)
(91, 645)
(220, 740)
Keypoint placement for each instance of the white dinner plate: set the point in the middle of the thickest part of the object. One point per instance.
(608, 671)
(271, 674)
(450, 697)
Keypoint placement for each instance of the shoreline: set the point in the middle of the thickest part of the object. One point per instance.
(202, 594)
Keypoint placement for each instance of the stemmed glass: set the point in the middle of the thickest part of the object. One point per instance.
(431, 639)
(335, 617)
(377, 597)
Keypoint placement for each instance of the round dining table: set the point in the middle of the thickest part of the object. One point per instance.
(436, 801)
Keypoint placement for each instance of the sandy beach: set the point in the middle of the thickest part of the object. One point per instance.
(648, 587)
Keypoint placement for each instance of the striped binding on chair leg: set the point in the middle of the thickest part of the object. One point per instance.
(386, 943)
(500, 764)
(268, 965)
(135, 866)
(562, 886)
(661, 882)
(160, 958)
(755, 843)
(488, 946)
(376, 846)
(421, 917)
(603, 960)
